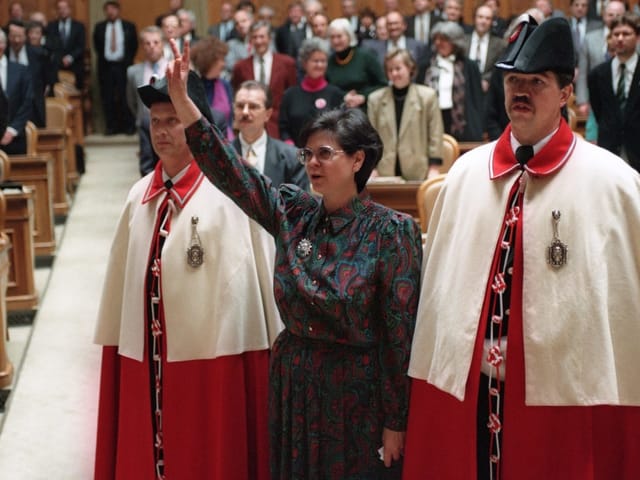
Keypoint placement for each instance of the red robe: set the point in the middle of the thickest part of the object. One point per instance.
(538, 442)
(214, 410)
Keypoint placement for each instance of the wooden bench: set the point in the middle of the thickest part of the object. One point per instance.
(59, 117)
(18, 226)
(6, 367)
(36, 171)
(52, 141)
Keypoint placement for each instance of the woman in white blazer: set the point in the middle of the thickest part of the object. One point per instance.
(407, 117)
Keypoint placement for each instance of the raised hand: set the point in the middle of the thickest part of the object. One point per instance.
(177, 76)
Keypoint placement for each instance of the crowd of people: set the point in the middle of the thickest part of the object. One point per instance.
(453, 56)
(264, 318)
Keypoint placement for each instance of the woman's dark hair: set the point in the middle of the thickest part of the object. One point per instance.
(352, 130)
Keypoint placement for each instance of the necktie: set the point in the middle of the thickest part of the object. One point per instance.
(577, 40)
(523, 154)
(112, 45)
(262, 76)
(252, 157)
(620, 90)
(421, 34)
(62, 27)
(479, 55)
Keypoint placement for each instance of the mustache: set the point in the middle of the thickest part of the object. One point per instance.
(521, 99)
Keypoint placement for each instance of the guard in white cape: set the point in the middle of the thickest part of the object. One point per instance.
(525, 354)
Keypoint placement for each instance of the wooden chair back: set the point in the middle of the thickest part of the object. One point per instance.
(450, 152)
(65, 76)
(5, 166)
(31, 132)
(426, 199)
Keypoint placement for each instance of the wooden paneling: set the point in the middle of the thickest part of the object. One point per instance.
(399, 196)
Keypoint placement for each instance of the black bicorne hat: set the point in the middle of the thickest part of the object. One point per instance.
(156, 91)
(537, 48)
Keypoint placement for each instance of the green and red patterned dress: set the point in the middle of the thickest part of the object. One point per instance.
(346, 284)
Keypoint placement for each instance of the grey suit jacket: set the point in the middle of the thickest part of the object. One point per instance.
(237, 51)
(281, 164)
(590, 56)
(135, 78)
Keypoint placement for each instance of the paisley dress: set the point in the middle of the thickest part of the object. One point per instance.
(346, 284)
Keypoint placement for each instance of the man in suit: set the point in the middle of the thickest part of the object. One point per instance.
(187, 25)
(396, 27)
(580, 23)
(499, 25)
(454, 12)
(594, 52)
(291, 34)
(72, 36)
(36, 60)
(349, 10)
(15, 80)
(154, 64)
(614, 90)
(225, 27)
(275, 159)
(116, 43)
(275, 70)
(482, 46)
(419, 24)
(240, 45)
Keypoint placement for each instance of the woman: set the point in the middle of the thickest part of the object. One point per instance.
(457, 81)
(313, 96)
(346, 286)
(355, 70)
(208, 56)
(407, 117)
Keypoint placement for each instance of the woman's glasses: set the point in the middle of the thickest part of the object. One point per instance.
(323, 153)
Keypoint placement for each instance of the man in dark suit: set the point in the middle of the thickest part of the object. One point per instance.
(419, 24)
(614, 91)
(224, 29)
(275, 159)
(396, 27)
(16, 83)
(482, 46)
(72, 37)
(291, 34)
(275, 70)
(36, 59)
(116, 43)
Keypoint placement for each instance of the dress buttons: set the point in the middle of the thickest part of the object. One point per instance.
(319, 256)
(310, 328)
(315, 282)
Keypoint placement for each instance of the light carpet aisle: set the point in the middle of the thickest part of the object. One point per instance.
(49, 428)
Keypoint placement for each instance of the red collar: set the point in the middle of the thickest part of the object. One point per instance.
(181, 191)
(549, 159)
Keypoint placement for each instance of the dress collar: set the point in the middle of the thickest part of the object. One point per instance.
(186, 183)
(550, 158)
(339, 219)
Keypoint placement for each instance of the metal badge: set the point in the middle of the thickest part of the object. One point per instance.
(303, 250)
(195, 253)
(556, 251)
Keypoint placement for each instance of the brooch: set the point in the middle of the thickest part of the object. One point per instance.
(195, 253)
(556, 251)
(303, 250)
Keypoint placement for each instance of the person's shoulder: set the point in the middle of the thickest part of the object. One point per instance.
(422, 90)
(387, 220)
(378, 95)
(283, 147)
(285, 60)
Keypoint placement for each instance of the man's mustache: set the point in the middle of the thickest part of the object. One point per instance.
(521, 99)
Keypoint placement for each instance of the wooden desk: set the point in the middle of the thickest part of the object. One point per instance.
(36, 171)
(53, 141)
(399, 196)
(18, 225)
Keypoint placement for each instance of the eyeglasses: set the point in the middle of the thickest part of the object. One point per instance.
(323, 154)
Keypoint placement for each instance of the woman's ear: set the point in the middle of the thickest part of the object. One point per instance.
(358, 160)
